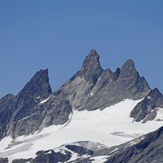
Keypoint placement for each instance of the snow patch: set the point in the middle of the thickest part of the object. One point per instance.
(148, 97)
(159, 116)
(99, 159)
(45, 100)
(95, 126)
(4, 143)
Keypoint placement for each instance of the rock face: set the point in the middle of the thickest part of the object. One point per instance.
(91, 69)
(36, 107)
(147, 108)
(113, 87)
(26, 116)
(94, 88)
(33, 108)
(149, 148)
(6, 111)
(3, 160)
(51, 156)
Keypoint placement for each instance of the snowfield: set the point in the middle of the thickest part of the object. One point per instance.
(111, 126)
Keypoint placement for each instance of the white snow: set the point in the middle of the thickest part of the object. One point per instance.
(110, 127)
(5, 142)
(45, 100)
(99, 159)
(148, 97)
(159, 116)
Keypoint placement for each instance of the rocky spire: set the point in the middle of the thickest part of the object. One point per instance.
(37, 86)
(25, 104)
(128, 69)
(91, 69)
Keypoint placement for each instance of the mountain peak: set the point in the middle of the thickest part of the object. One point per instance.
(155, 92)
(129, 63)
(91, 60)
(91, 69)
(128, 69)
(93, 52)
(37, 86)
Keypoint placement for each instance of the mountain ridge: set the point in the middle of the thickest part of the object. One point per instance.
(92, 88)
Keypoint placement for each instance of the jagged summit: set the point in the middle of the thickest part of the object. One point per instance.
(129, 63)
(37, 86)
(156, 93)
(128, 69)
(91, 69)
(92, 59)
(93, 88)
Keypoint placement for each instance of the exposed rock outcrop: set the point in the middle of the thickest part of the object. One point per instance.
(147, 108)
(148, 148)
(20, 114)
(94, 88)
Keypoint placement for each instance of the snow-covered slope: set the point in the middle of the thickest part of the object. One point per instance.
(111, 126)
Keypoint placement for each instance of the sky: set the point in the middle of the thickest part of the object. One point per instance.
(53, 34)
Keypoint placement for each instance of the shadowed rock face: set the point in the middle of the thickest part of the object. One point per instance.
(6, 111)
(36, 107)
(148, 106)
(124, 83)
(148, 149)
(37, 89)
(15, 110)
(3, 160)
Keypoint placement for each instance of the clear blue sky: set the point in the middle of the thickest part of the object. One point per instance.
(55, 34)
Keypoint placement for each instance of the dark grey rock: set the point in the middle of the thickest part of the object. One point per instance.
(3, 160)
(26, 117)
(57, 112)
(78, 89)
(93, 88)
(36, 89)
(146, 109)
(79, 150)
(22, 160)
(50, 156)
(148, 148)
(125, 83)
(34, 108)
(19, 115)
(6, 110)
(91, 69)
